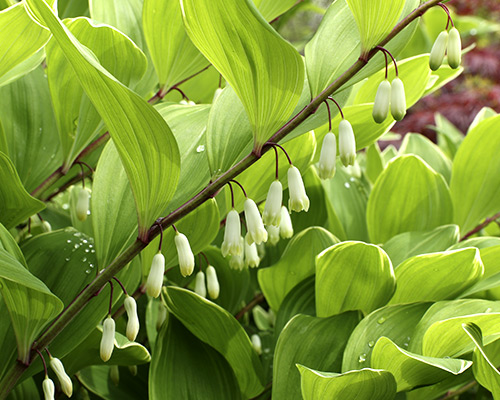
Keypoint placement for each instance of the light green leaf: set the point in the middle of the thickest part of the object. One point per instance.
(484, 371)
(184, 367)
(296, 263)
(374, 162)
(27, 389)
(365, 384)
(395, 322)
(113, 208)
(174, 55)
(407, 196)
(318, 342)
(352, 276)
(411, 370)
(475, 183)
(409, 244)
(23, 68)
(30, 303)
(437, 276)
(146, 145)
(271, 9)
(220, 330)
(484, 113)
(8, 243)
(441, 77)
(449, 137)
(15, 202)
(270, 80)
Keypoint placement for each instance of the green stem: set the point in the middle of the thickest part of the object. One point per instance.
(208, 192)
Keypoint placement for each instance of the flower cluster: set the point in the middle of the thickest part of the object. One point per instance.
(211, 286)
(446, 42)
(390, 96)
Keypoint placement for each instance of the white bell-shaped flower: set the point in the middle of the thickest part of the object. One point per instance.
(347, 143)
(108, 338)
(237, 261)
(212, 283)
(199, 284)
(454, 48)
(274, 234)
(162, 315)
(256, 231)
(184, 254)
(382, 102)
(49, 388)
(65, 381)
(286, 227)
(398, 99)
(82, 204)
(232, 235)
(46, 227)
(133, 320)
(438, 51)
(155, 277)
(328, 157)
(272, 209)
(252, 258)
(298, 199)
(256, 343)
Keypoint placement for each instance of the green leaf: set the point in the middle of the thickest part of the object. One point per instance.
(220, 330)
(318, 342)
(30, 129)
(484, 113)
(30, 303)
(8, 243)
(484, 371)
(449, 137)
(395, 322)
(15, 202)
(270, 81)
(113, 208)
(184, 367)
(365, 384)
(374, 162)
(174, 55)
(407, 196)
(475, 185)
(27, 389)
(144, 141)
(353, 276)
(412, 370)
(409, 244)
(296, 263)
(271, 9)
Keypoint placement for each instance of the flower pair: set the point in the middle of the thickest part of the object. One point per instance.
(390, 96)
(446, 42)
(212, 284)
(65, 381)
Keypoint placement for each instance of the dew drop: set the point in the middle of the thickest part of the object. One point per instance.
(67, 258)
(362, 358)
(371, 343)
(77, 245)
(84, 259)
(381, 320)
(92, 251)
(200, 148)
(87, 271)
(488, 310)
(347, 185)
(87, 250)
(68, 241)
(85, 241)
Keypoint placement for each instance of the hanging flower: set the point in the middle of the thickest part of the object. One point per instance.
(82, 204)
(65, 381)
(272, 214)
(133, 320)
(257, 343)
(252, 259)
(298, 200)
(48, 388)
(237, 261)
(438, 51)
(382, 102)
(155, 277)
(231, 244)
(114, 374)
(108, 338)
(256, 231)
(328, 157)
(347, 143)
(274, 234)
(286, 228)
(184, 254)
(212, 283)
(398, 99)
(199, 284)
(454, 48)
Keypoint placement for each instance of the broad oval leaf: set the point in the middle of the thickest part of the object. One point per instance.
(269, 82)
(144, 141)
(407, 196)
(352, 276)
(8, 244)
(271, 9)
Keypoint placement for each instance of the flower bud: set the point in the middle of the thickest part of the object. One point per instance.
(286, 228)
(114, 374)
(298, 199)
(256, 343)
(155, 277)
(133, 320)
(274, 234)
(132, 369)
(212, 283)
(454, 48)
(398, 99)
(48, 388)
(256, 231)
(236, 261)
(438, 51)
(82, 204)
(162, 315)
(252, 259)
(184, 253)
(382, 102)
(199, 285)
(232, 235)
(272, 214)
(65, 381)
(328, 157)
(347, 143)
(108, 338)
(46, 227)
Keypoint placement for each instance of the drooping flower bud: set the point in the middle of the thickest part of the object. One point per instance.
(82, 204)
(48, 388)
(237, 261)
(199, 285)
(133, 320)
(274, 234)
(46, 227)
(232, 235)
(184, 254)
(382, 102)
(398, 99)
(212, 283)
(65, 381)
(438, 51)
(298, 199)
(155, 277)
(256, 231)
(347, 143)
(114, 374)
(272, 214)
(132, 369)
(252, 259)
(162, 315)
(286, 227)
(256, 343)
(108, 338)
(328, 157)
(454, 48)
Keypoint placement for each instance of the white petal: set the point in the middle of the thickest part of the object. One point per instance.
(232, 234)
(298, 199)
(328, 157)
(108, 339)
(286, 228)
(184, 254)
(272, 209)
(65, 381)
(347, 143)
(255, 226)
(133, 320)
(155, 277)
(199, 284)
(212, 283)
(82, 204)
